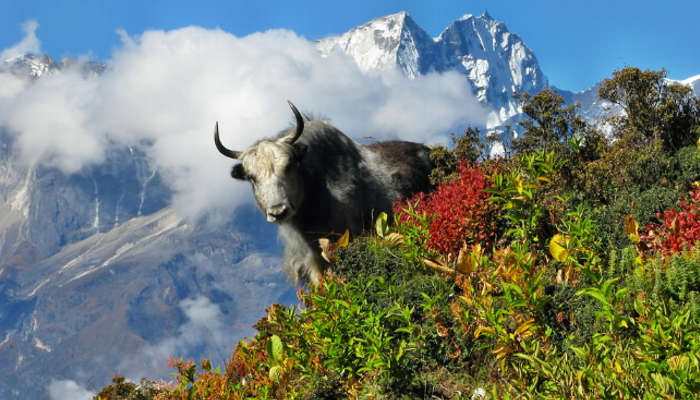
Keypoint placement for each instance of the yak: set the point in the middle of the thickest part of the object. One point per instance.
(315, 182)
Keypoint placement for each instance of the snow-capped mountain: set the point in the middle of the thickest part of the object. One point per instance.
(496, 61)
(384, 43)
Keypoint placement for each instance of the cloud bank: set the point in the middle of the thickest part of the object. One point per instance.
(29, 43)
(205, 328)
(167, 88)
(68, 390)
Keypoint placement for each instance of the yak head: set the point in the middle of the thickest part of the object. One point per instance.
(272, 168)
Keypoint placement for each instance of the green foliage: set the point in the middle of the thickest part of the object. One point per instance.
(552, 124)
(525, 193)
(412, 222)
(466, 147)
(654, 109)
(120, 389)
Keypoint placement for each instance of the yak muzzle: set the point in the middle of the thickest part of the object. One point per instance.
(277, 213)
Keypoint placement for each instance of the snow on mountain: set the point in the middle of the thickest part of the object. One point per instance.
(594, 110)
(36, 65)
(384, 43)
(693, 82)
(496, 61)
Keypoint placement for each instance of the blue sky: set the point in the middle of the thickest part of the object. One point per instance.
(577, 43)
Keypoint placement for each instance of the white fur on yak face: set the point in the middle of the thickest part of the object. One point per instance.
(271, 168)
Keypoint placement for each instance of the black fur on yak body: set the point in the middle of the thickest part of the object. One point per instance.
(343, 184)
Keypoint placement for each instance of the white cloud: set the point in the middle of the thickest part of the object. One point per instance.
(205, 326)
(29, 43)
(169, 87)
(68, 390)
(10, 85)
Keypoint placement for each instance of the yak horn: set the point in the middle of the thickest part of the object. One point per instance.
(292, 137)
(223, 150)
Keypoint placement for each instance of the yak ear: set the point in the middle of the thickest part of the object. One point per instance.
(238, 172)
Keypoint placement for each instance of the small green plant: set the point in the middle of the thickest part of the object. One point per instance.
(413, 224)
(519, 192)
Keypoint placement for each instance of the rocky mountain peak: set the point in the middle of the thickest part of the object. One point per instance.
(496, 62)
(383, 43)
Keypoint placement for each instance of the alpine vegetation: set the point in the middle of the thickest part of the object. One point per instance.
(314, 181)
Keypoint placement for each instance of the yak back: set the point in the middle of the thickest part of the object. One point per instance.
(347, 184)
(410, 165)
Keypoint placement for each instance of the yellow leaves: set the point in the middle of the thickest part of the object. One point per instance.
(394, 238)
(468, 300)
(519, 185)
(558, 247)
(464, 262)
(524, 330)
(483, 329)
(501, 351)
(276, 373)
(328, 248)
(678, 362)
(469, 261)
(381, 225)
(632, 228)
(344, 240)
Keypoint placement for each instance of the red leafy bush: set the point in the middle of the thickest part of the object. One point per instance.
(458, 211)
(680, 229)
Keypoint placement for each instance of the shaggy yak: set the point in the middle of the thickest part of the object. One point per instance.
(316, 182)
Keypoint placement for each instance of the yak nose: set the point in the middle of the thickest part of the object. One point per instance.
(277, 213)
